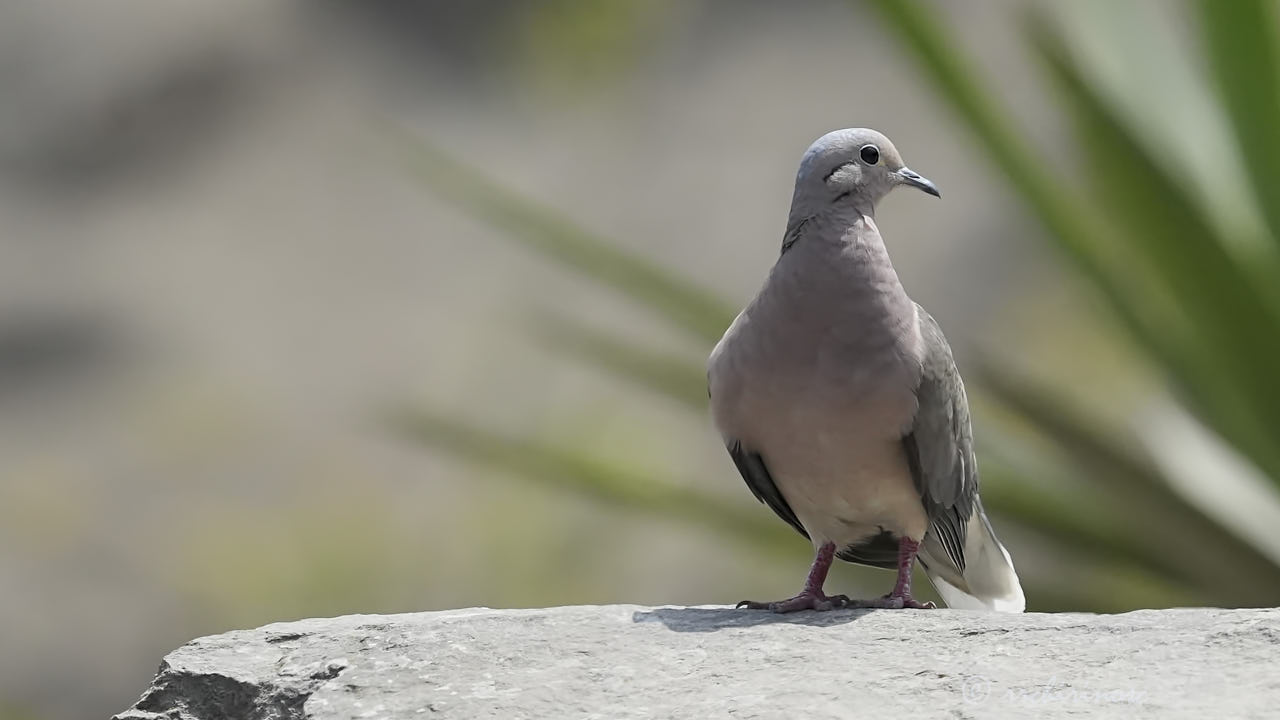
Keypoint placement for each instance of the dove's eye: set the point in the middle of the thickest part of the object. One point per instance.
(870, 154)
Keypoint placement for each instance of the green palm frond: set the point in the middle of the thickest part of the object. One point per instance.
(612, 483)
(682, 303)
(1243, 53)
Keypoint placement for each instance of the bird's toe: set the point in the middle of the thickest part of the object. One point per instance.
(893, 602)
(803, 601)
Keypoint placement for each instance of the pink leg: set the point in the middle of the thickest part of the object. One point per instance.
(901, 595)
(811, 597)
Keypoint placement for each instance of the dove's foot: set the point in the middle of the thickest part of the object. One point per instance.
(811, 597)
(892, 602)
(901, 596)
(804, 601)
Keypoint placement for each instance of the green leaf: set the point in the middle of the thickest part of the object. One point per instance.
(672, 376)
(684, 304)
(1241, 49)
(599, 479)
(1175, 537)
(1234, 335)
(1068, 517)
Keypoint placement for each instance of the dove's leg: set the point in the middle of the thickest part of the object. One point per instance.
(901, 595)
(811, 597)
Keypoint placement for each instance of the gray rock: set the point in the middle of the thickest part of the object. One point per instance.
(626, 661)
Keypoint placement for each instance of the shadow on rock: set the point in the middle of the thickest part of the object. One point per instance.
(711, 619)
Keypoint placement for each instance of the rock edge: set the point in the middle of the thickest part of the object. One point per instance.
(626, 661)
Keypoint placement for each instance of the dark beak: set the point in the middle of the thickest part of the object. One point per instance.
(916, 180)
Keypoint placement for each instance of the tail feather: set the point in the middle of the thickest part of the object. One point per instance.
(988, 581)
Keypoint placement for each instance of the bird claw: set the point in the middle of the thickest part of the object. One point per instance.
(803, 601)
(893, 602)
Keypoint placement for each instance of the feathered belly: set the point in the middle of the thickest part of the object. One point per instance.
(834, 450)
(845, 476)
(827, 414)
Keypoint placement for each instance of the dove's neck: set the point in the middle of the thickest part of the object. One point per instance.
(837, 268)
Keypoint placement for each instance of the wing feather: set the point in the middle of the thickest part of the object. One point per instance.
(757, 476)
(939, 446)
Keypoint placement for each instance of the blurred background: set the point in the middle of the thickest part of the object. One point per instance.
(312, 308)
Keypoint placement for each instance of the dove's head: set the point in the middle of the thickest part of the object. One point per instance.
(857, 167)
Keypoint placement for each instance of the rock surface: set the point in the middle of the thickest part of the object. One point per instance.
(705, 662)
